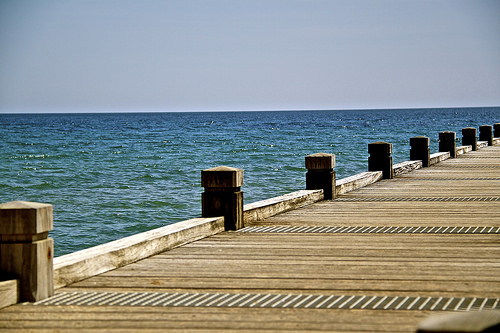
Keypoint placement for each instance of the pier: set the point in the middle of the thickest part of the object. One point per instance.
(382, 251)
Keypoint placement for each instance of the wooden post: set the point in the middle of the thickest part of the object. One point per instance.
(380, 158)
(320, 174)
(222, 196)
(486, 134)
(447, 143)
(420, 150)
(469, 137)
(497, 130)
(26, 251)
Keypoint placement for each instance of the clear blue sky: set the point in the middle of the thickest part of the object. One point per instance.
(179, 55)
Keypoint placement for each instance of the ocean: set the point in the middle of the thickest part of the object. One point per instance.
(111, 175)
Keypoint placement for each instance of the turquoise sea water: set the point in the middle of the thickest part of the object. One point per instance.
(110, 175)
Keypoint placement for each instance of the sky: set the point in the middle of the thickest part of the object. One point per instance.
(211, 55)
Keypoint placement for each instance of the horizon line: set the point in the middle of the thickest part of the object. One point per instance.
(261, 110)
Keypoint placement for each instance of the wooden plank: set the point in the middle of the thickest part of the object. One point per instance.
(266, 208)
(377, 213)
(9, 292)
(339, 263)
(463, 149)
(210, 319)
(438, 157)
(86, 263)
(317, 285)
(405, 167)
(355, 182)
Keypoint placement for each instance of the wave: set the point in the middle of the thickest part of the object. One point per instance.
(42, 186)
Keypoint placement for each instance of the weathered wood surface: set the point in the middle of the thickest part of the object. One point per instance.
(9, 292)
(266, 208)
(347, 264)
(25, 218)
(360, 180)
(83, 264)
(294, 263)
(193, 319)
(463, 149)
(222, 195)
(26, 252)
(438, 157)
(405, 167)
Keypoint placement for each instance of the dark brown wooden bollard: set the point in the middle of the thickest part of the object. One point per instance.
(497, 130)
(469, 137)
(380, 158)
(320, 174)
(222, 196)
(26, 251)
(486, 134)
(447, 143)
(420, 150)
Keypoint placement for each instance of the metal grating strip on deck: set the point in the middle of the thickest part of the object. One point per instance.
(462, 166)
(396, 199)
(445, 178)
(475, 157)
(470, 230)
(304, 301)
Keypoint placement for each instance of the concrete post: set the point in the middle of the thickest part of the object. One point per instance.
(320, 174)
(497, 130)
(469, 137)
(380, 158)
(486, 134)
(222, 196)
(26, 251)
(420, 150)
(447, 143)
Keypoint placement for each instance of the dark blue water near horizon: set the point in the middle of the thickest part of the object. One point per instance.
(110, 175)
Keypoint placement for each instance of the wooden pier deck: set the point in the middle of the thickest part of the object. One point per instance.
(378, 259)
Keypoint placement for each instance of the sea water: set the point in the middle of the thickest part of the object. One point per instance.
(110, 175)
